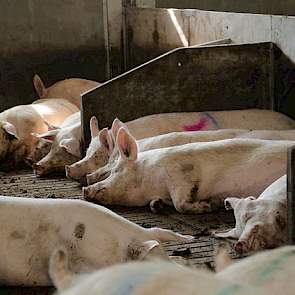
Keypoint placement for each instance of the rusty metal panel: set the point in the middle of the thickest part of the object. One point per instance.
(186, 79)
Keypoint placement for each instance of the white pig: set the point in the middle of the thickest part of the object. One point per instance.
(18, 124)
(195, 177)
(158, 124)
(253, 119)
(70, 89)
(141, 278)
(260, 223)
(271, 270)
(94, 236)
(98, 153)
(65, 148)
(102, 148)
(96, 158)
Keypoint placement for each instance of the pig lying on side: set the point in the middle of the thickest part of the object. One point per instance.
(102, 147)
(96, 157)
(141, 278)
(260, 223)
(18, 124)
(65, 148)
(194, 177)
(253, 119)
(272, 271)
(94, 236)
(70, 89)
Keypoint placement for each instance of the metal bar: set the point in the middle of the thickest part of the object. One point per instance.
(214, 42)
(106, 38)
(291, 195)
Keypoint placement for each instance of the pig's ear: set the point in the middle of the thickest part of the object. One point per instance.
(10, 130)
(231, 203)
(222, 259)
(106, 140)
(49, 135)
(94, 127)
(39, 86)
(117, 124)
(139, 250)
(59, 272)
(72, 146)
(126, 144)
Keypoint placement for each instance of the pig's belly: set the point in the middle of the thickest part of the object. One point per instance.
(243, 182)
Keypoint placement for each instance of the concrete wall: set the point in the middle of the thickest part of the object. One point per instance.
(154, 31)
(55, 38)
(285, 7)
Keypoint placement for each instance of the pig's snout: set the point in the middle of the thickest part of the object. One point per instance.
(97, 176)
(72, 173)
(87, 192)
(96, 192)
(68, 171)
(90, 179)
(39, 170)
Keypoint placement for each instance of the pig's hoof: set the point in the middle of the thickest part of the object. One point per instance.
(157, 205)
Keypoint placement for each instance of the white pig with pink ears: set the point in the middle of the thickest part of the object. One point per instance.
(195, 178)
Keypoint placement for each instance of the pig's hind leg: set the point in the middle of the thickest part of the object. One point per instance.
(184, 195)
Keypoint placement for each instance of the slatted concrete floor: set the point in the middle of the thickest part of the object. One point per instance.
(199, 252)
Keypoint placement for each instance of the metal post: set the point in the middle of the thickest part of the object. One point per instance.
(291, 195)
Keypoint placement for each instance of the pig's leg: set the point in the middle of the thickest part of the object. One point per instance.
(184, 194)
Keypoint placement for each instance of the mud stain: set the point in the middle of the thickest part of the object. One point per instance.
(79, 231)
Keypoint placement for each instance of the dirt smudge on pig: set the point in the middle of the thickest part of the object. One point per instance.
(79, 231)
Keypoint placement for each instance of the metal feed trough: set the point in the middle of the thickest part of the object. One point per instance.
(213, 78)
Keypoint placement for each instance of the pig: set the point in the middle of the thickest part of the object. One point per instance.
(260, 223)
(272, 271)
(70, 89)
(98, 153)
(102, 147)
(65, 148)
(18, 124)
(141, 278)
(94, 236)
(195, 177)
(166, 140)
(253, 119)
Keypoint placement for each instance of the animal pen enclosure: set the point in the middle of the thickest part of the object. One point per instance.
(236, 76)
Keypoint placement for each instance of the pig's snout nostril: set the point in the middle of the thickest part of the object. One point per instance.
(241, 247)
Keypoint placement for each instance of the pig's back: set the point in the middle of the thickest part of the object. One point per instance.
(254, 119)
(180, 138)
(272, 270)
(270, 134)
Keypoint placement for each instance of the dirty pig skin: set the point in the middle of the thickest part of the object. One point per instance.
(94, 236)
